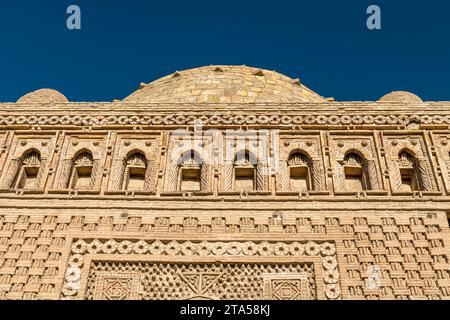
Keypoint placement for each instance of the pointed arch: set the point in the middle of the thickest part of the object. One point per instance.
(300, 171)
(83, 173)
(408, 174)
(192, 172)
(136, 173)
(31, 157)
(355, 174)
(245, 173)
(30, 171)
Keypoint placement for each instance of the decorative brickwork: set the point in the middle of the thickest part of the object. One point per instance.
(346, 200)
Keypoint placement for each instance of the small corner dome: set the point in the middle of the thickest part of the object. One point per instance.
(43, 96)
(401, 96)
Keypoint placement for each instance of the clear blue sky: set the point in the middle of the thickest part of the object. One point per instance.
(324, 43)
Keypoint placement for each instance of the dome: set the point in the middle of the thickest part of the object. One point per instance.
(224, 84)
(43, 96)
(400, 96)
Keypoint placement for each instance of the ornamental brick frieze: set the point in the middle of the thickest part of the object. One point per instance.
(253, 119)
(243, 254)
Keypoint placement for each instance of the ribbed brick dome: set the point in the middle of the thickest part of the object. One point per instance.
(224, 84)
(400, 96)
(43, 96)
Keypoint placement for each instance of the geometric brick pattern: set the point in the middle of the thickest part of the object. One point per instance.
(150, 281)
(97, 229)
(412, 261)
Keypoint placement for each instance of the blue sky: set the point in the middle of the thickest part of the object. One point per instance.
(324, 43)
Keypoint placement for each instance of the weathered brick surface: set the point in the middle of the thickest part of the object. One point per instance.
(74, 225)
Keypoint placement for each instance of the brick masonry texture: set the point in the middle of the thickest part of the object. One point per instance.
(93, 205)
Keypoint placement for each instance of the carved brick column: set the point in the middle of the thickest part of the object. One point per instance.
(373, 175)
(204, 178)
(426, 177)
(11, 174)
(96, 175)
(340, 175)
(228, 176)
(282, 177)
(447, 165)
(395, 176)
(148, 176)
(172, 176)
(261, 176)
(64, 177)
(41, 174)
(317, 175)
(117, 174)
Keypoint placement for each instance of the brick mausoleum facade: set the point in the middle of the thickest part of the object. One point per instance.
(224, 182)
